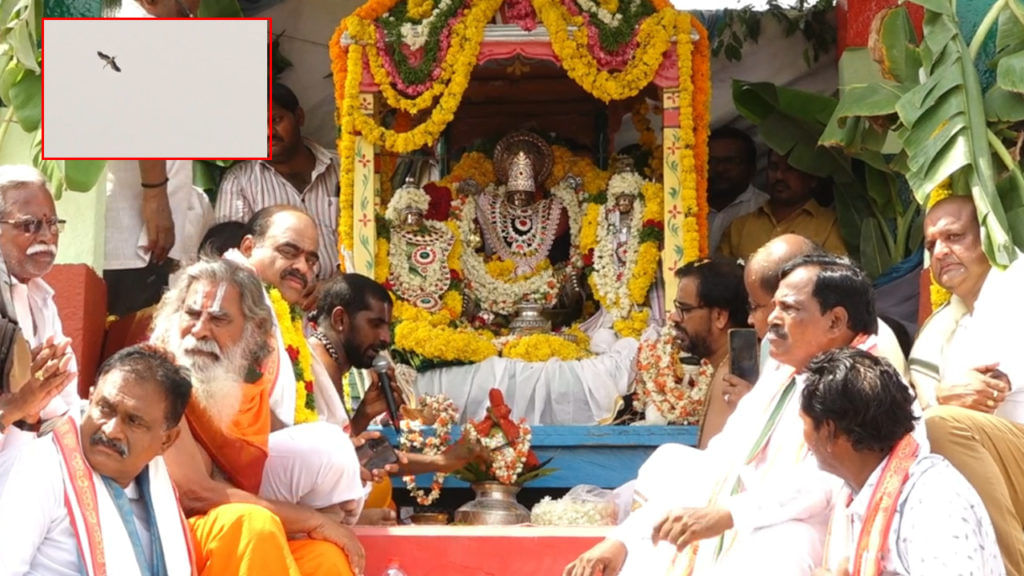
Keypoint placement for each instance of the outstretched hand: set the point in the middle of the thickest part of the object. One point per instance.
(683, 526)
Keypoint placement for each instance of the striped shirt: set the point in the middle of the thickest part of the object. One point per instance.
(251, 185)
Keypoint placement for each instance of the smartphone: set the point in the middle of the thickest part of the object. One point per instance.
(376, 453)
(744, 352)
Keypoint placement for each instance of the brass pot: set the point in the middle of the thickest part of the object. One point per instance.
(495, 504)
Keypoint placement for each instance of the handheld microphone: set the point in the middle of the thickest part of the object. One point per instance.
(380, 366)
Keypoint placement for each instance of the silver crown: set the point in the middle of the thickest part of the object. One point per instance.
(520, 174)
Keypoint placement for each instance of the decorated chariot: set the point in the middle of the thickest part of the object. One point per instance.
(530, 258)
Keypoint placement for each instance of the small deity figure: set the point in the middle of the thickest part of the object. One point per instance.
(419, 249)
(620, 209)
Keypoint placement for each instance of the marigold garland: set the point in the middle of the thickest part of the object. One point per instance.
(687, 142)
(572, 48)
(289, 320)
(701, 107)
(543, 347)
(938, 296)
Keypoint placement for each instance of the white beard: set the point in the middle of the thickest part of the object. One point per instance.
(216, 384)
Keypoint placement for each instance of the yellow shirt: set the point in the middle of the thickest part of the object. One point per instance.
(748, 233)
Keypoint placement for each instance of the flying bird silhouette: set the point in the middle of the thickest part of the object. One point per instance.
(109, 61)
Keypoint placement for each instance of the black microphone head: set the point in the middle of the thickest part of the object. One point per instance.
(381, 363)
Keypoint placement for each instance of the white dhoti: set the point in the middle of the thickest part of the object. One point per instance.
(312, 464)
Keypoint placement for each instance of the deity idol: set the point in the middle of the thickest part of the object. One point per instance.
(419, 249)
(516, 225)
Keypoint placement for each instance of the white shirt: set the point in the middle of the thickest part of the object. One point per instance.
(126, 237)
(35, 529)
(251, 185)
(989, 335)
(940, 525)
(783, 484)
(45, 323)
(718, 220)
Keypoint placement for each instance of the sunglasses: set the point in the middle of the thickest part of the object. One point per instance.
(35, 225)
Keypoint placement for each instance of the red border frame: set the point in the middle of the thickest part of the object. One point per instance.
(270, 84)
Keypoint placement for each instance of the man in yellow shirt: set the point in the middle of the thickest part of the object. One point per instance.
(791, 208)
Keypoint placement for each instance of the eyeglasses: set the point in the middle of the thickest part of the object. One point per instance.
(32, 225)
(684, 308)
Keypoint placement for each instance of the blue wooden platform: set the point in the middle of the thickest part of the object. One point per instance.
(605, 456)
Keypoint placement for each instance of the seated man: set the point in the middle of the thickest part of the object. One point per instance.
(353, 322)
(300, 173)
(29, 234)
(755, 492)
(966, 367)
(96, 498)
(240, 485)
(710, 300)
(901, 510)
(791, 207)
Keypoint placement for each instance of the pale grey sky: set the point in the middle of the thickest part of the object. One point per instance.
(187, 89)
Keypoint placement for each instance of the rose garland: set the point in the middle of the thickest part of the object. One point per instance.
(679, 396)
(289, 320)
(466, 40)
(412, 438)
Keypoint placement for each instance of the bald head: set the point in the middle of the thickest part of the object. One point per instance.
(763, 271)
(282, 247)
(767, 262)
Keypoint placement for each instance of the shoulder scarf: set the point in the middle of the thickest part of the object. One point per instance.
(873, 541)
(103, 540)
(684, 563)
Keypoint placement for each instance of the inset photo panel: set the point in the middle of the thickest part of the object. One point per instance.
(137, 88)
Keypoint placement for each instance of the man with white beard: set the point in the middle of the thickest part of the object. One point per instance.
(216, 323)
(29, 231)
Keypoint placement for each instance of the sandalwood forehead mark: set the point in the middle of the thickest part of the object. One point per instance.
(215, 306)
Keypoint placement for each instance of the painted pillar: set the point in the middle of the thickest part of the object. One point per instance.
(672, 249)
(364, 225)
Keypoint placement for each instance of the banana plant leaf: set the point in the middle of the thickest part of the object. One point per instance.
(875, 255)
(944, 131)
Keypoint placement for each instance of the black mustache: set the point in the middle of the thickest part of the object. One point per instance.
(99, 438)
(297, 276)
(778, 332)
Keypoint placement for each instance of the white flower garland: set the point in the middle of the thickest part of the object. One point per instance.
(611, 20)
(506, 461)
(430, 256)
(412, 438)
(496, 295)
(678, 394)
(406, 197)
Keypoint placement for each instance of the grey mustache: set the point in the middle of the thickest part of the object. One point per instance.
(99, 438)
